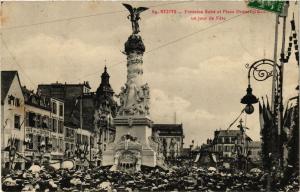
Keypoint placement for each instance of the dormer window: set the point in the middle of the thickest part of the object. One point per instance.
(17, 102)
(11, 100)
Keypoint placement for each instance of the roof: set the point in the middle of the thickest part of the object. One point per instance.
(230, 133)
(6, 81)
(85, 83)
(222, 133)
(36, 100)
(168, 129)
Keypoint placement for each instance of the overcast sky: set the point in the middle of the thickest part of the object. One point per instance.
(200, 76)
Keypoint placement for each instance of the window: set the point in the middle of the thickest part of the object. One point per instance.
(54, 107)
(11, 100)
(17, 145)
(29, 140)
(54, 125)
(45, 121)
(219, 148)
(31, 119)
(38, 121)
(85, 139)
(54, 144)
(17, 122)
(233, 139)
(69, 132)
(227, 148)
(48, 147)
(227, 140)
(78, 136)
(61, 110)
(17, 102)
(60, 127)
(50, 123)
(39, 140)
(220, 140)
(67, 146)
(61, 147)
(27, 119)
(92, 142)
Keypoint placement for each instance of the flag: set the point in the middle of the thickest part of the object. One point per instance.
(268, 114)
(266, 132)
(287, 122)
(268, 106)
(261, 117)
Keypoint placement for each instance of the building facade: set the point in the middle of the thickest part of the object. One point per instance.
(255, 151)
(12, 120)
(37, 129)
(44, 129)
(57, 129)
(65, 92)
(70, 142)
(171, 137)
(230, 143)
(90, 112)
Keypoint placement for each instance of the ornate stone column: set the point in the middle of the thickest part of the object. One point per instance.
(133, 124)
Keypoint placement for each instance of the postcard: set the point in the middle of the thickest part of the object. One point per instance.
(150, 95)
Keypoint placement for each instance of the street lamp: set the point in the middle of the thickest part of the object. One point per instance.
(249, 99)
(260, 70)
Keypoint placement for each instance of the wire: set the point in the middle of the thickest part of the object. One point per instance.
(16, 62)
(191, 34)
(169, 43)
(81, 17)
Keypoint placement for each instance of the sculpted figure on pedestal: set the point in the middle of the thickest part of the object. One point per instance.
(134, 16)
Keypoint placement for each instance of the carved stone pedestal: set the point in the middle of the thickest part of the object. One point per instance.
(133, 145)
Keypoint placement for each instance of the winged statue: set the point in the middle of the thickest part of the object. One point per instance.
(134, 16)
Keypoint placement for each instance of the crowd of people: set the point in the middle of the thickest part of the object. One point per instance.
(177, 178)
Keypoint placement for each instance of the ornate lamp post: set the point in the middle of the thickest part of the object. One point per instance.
(260, 72)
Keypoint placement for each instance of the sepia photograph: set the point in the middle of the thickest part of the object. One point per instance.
(149, 96)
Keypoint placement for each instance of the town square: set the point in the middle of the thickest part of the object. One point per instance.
(150, 96)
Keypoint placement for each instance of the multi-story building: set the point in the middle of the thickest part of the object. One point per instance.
(255, 151)
(229, 143)
(86, 111)
(12, 119)
(67, 97)
(58, 130)
(37, 127)
(70, 142)
(171, 137)
(44, 127)
(86, 141)
(67, 93)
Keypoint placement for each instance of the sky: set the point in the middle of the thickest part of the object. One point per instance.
(194, 66)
